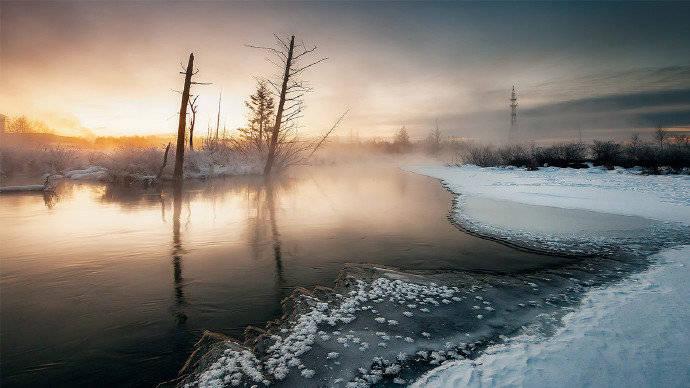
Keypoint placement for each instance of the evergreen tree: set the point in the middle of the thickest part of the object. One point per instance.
(402, 140)
(261, 117)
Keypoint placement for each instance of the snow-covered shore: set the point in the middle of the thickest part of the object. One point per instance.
(631, 332)
(634, 333)
(102, 174)
(385, 326)
(657, 197)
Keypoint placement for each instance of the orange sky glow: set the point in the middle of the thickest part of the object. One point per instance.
(103, 69)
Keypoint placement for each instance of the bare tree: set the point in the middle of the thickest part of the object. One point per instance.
(293, 59)
(434, 140)
(682, 139)
(635, 139)
(20, 125)
(220, 98)
(181, 125)
(193, 107)
(165, 162)
(660, 135)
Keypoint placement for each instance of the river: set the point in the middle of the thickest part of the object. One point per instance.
(112, 286)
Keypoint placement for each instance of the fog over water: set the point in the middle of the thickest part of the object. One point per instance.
(108, 284)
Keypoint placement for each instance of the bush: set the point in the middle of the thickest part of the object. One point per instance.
(516, 155)
(482, 155)
(560, 155)
(125, 161)
(675, 156)
(606, 153)
(35, 161)
(601, 153)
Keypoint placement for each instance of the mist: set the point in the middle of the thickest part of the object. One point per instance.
(110, 67)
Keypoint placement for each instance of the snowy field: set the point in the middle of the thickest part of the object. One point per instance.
(633, 332)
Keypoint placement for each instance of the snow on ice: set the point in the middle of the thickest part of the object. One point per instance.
(633, 333)
(609, 313)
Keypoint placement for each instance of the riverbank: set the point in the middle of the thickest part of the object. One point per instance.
(629, 332)
(474, 312)
(633, 333)
(133, 277)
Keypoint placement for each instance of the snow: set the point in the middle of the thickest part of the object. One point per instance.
(589, 322)
(19, 189)
(289, 351)
(619, 191)
(633, 333)
(91, 173)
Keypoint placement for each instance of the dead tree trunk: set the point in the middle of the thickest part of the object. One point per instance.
(279, 113)
(192, 107)
(220, 97)
(165, 162)
(179, 152)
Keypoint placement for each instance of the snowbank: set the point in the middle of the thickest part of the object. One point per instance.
(657, 197)
(21, 189)
(384, 326)
(634, 333)
(91, 173)
(381, 326)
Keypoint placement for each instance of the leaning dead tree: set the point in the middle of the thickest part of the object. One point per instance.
(165, 162)
(291, 59)
(181, 126)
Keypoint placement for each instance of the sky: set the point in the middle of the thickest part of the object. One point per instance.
(111, 68)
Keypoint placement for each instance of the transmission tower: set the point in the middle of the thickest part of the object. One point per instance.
(513, 112)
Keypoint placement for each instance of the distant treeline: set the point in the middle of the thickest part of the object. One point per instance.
(653, 158)
(26, 132)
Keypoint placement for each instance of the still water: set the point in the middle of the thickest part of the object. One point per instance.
(107, 286)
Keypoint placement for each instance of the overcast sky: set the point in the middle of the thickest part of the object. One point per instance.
(604, 68)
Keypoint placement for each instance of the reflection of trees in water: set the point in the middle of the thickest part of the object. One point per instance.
(275, 234)
(177, 252)
(129, 197)
(61, 191)
(263, 228)
(263, 225)
(162, 200)
(50, 198)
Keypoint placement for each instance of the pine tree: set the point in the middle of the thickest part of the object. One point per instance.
(402, 140)
(261, 115)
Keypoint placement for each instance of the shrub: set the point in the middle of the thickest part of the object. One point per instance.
(606, 153)
(482, 155)
(675, 156)
(560, 155)
(35, 161)
(126, 161)
(516, 155)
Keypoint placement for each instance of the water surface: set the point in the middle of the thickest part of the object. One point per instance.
(112, 286)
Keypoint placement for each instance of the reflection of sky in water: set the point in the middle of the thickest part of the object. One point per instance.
(99, 284)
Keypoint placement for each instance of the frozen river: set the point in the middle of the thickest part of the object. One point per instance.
(108, 286)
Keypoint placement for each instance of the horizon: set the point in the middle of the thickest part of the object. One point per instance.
(424, 194)
(108, 69)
